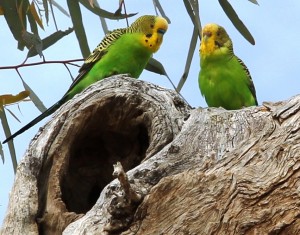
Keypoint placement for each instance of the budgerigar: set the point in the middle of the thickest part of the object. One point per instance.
(125, 50)
(224, 80)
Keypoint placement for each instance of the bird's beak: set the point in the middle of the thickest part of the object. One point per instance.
(206, 35)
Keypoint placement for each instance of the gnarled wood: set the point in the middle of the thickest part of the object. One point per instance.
(199, 171)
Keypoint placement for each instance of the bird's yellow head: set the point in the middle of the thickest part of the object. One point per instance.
(152, 28)
(215, 40)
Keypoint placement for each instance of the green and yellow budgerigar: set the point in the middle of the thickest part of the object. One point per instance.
(224, 80)
(125, 50)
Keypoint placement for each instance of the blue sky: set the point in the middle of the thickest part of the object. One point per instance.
(273, 62)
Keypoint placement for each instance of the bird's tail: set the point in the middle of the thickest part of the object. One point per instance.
(48, 112)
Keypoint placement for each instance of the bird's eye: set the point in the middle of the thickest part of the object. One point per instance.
(149, 35)
(151, 26)
(161, 31)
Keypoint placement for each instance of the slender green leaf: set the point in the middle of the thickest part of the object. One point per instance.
(193, 11)
(119, 10)
(238, 24)
(104, 25)
(35, 99)
(196, 21)
(35, 15)
(92, 2)
(14, 116)
(7, 99)
(161, 10)
(22, 6)
(76, 17)
(14, 23)
(46, 9)
(189, 59)
(156, 67)
(1, 153)
(100, 12)
(33, 41)
(32, 22)
(102, 19)
(59, 7)
(189, 9)
(50, 40)
(254, 1)
(1, 10)
(53, 15)
(7, 133)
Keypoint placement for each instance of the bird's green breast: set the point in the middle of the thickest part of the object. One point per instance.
(125, 55)
(224, 82)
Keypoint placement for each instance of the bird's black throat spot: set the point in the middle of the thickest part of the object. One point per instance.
(218, 44)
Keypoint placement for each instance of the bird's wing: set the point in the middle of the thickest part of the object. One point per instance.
(251, 84)
(97, 54)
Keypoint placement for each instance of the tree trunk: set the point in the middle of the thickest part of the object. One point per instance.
(191, 171)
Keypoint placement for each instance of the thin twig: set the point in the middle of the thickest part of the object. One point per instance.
(52, 12)
(18, 73)
(76, 65)
(125, 12)
(41, 63)
(69, 72)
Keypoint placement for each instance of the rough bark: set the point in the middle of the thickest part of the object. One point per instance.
(191, 171)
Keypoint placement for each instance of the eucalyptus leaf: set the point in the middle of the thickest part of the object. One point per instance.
(2, 153)
(100, 12)
(193, 10)
(76, 17)
(238, 24)
(188, 62)
(196, 20)
(46, 9)
(155, 66)
(13, 21)
(7, 133)
(254, 1)
(102, 19)
(35, 99)
(12, 114)
(33, 23)
(33, 41)
(161, 10)
(49, 41)
(119, 10)
(53, 15)
(60, 8)
(33, 13)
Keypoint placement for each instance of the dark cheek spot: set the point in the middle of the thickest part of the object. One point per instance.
(150, 45)
(149, 35)
(217, 44)
(146, 40)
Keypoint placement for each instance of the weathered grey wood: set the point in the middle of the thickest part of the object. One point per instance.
(118, 119)
(253, 189)
(205, 171)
